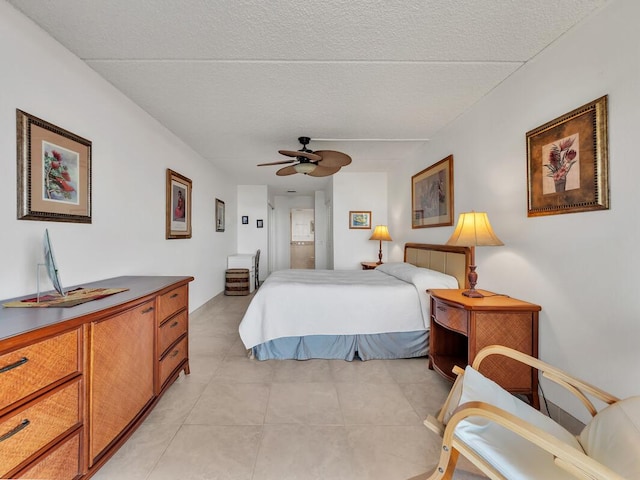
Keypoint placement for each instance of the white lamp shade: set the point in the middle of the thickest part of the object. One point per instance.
(473, 229)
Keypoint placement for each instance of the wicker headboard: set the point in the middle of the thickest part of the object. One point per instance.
(447, 259)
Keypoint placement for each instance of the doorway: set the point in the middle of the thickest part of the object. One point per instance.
(302, 239)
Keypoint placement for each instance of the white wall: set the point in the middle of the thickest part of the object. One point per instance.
(322, 233)
(253, 202)
(131, 152)
(358, 192)
(581, 267)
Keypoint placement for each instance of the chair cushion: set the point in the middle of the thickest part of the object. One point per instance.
(612, 437)
(510, 454)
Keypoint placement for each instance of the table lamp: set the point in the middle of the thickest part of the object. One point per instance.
(473, 229)
(381, 233)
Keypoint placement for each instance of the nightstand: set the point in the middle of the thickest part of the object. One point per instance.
(462, 326)
(368, 265)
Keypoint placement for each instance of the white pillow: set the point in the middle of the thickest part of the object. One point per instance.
(397, 269)
(422, 278)
(612, 437)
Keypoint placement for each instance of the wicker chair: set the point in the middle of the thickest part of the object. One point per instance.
(508, 439)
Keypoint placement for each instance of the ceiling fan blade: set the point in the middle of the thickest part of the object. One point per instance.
(286, 171)
(297, 153)
(321, 171)
(276, 163)
(331, 158)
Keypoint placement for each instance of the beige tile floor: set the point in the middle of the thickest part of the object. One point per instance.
(236, 418)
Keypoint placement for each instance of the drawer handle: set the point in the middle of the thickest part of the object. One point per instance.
(22, 361)
(150, 309)
(174, 324)
(23, 424)
(442, 309)
(174, 353)
(174, 295)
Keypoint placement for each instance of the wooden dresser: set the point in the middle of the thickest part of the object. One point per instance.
(462, 326)
(76, 382)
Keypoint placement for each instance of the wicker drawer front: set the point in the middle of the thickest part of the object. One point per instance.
(450, 317)
(26, 432)
(61, 464)
(171, 302)
(171, 330)
(172, 359)
(27, 370)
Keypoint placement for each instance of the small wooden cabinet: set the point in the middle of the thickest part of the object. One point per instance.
(369, 265)
(75, 387)
(462, 326)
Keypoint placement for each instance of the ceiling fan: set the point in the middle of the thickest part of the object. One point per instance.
(321, 163)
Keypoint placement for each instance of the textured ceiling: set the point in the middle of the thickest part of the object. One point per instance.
(239, 80)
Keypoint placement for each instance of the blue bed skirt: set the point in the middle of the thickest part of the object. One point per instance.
(346, 347)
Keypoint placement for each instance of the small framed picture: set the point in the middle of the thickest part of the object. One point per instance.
(245, 220)
(178, 212)
(360, 219)
(259, 223)
(219, 215)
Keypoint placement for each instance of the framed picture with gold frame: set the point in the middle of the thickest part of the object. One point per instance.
(54, 172)
(432, 195)
(568, 162)
(178, 224)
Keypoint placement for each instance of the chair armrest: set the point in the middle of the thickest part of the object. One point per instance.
(565, 456)
(574, 385)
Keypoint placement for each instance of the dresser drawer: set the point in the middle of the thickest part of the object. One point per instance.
(171, 302)
(62, 463)
(172, 359)
(27, 370)
(171, 330)
(450, 317)
(26, 432)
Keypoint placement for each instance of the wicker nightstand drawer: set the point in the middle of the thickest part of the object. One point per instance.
(451, 317)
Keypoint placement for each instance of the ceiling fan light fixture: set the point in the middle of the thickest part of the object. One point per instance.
(305, 167)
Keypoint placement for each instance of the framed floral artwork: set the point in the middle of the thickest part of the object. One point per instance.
(432, 195)
(360, 219)
(54, 172)
(178, 224)
(568, 164)
(220, 216)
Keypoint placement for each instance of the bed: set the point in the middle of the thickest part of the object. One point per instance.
(349, 314)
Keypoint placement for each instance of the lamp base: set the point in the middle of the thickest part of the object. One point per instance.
(473, 279)
(472, 293)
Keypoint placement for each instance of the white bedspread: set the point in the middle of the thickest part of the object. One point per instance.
(292, 303)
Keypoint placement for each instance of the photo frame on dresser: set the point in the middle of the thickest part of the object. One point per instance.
(568, 162)
(54, 172)
(432, 195)
(178, 211)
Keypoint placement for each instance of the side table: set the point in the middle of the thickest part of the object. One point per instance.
(462, 326)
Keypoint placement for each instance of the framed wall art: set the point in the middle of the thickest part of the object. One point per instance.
(220, 216)
(360, 219)
(54, 172)
(259, 224)
(245, 219)
(178, 206)
(568, 164)
(432, 195)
